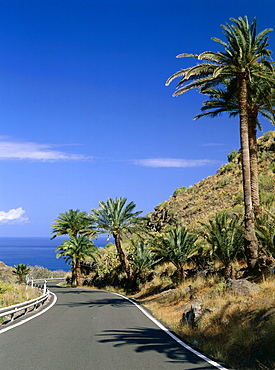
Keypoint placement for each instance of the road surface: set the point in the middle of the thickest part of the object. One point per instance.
(96, 330)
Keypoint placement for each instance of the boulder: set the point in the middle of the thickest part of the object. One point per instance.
(242, 287)
(192, 315)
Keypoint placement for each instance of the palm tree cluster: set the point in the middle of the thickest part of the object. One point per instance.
(139, 248)
(77, 225)
(114, 217)
(118, 219)
(239, 80)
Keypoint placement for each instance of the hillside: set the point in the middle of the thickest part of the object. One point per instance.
(188, 206)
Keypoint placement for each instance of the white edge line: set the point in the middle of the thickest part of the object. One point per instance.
(162, 327)
(213, 363)
(31, 317)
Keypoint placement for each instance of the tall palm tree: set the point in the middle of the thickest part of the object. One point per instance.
(177, 246)
(244, 57)
(72, 223)
(75, 250)
(118, 219)
(21, 271)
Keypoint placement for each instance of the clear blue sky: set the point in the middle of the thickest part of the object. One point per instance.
(84, 111)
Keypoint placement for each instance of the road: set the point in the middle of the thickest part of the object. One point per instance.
(96, 330)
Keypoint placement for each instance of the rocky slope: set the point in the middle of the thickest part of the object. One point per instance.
(222, 191)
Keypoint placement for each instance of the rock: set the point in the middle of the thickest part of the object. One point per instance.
(191, 316)
(242, 287)
(189, 289)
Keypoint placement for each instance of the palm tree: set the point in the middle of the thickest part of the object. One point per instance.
(21, 271)
(244, 57)
(118, 219)
(75, 250)
(177, 246)
(224, 234)
(143, 260)
(72, 223)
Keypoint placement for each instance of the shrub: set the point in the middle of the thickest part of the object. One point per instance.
(226, 168)
(5, 287)
(179, 190)
(267, 135)
(224, 181)
(231, 156)
(266, 183)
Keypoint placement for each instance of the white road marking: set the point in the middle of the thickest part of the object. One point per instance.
(21, 322)
(162, 327)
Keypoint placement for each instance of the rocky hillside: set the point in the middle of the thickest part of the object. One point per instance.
(188, 206)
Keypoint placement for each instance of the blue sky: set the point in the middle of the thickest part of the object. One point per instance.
(85, 114)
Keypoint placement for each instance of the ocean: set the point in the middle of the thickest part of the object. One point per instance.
(36, 251)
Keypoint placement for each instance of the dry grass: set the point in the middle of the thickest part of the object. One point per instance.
(237, 330)
(17, 294)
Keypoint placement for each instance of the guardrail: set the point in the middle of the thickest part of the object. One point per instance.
(45, 280)
(13, 310)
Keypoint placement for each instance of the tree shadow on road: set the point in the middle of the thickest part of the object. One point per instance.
(148, 339)
(114, 302)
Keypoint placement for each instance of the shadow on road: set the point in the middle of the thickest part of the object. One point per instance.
(144, 340)
(114, 302)
(97, 298)
(148, 339)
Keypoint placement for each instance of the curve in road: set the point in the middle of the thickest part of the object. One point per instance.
(99, 330)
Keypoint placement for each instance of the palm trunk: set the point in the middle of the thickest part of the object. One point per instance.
(73, 274)
(182, 273)
(250, 239)
(253, 149)
(123, 259)
(77, 272)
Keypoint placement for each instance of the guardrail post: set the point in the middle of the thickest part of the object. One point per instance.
(45, 287)
(13, 314)
(32, 283)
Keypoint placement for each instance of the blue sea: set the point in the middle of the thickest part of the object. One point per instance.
(36, 251)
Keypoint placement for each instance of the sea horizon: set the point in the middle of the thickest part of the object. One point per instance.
(36, 251)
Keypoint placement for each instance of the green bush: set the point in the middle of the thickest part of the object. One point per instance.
(267, 135)
(231, 156)
(5, 287)
(224, 181)
(226, 168)
(266, 183)
(179, 190)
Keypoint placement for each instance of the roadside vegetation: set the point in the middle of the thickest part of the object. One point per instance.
(234, 329)
(15, 293)
(13, 288)
(177, 268)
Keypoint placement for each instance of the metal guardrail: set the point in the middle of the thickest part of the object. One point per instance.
(45, 280)
(24, 306)
(13, 310)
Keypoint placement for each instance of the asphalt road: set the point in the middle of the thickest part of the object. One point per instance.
(96, 330)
